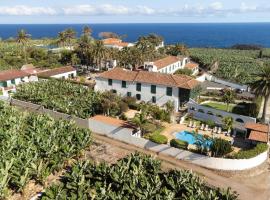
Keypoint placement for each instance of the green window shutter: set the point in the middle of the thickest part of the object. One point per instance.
(124, 84)
(154, 99)
(139, 87)
(129, 94)
(169, 91)
(153, 89)
(109, 81)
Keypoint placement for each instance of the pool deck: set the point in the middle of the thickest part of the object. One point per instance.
(171, 129)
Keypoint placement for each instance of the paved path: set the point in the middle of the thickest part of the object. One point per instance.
(253, 188)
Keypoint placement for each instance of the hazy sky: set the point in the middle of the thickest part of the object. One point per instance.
(132, 11)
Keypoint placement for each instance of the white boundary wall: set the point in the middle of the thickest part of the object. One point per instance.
(124, 135)
(212, 78)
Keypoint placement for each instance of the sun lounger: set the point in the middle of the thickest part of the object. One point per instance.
(194, 125)
(202, 127)
(206, 128)
(219, 130)
(190, 124)
(215, 130)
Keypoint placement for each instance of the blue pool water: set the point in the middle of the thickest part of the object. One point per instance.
(191, 139)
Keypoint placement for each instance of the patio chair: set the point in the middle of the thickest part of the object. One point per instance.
(206, 127)
(202, 127)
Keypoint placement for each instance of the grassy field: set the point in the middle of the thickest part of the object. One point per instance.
(222, 106)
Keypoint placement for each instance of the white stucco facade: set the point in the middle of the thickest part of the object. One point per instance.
(169, 69)
(145, 94)
(66, 75)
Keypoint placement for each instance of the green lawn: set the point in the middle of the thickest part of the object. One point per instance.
(233, 108)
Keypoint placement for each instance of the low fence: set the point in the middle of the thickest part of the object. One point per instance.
(125, 135)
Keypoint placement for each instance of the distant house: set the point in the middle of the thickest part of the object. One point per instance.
(257, 132)
(61, 72)
(194, 67)
(116, 43)
(168, 65)
(10, 78)
(157, 88)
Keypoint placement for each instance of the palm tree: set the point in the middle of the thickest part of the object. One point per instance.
(140, 120)
(87, 31)
(99, 52)
(23, 39)
(261, 86)
(69, 35)
(228, 97)
(61, 39)
(228, 122)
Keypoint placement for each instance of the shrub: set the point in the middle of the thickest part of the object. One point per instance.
(131, 102)
(210, 123)
(123, 107)
(180, 144)
(245, 154)
(159, 139)
(123, 117)
(149, 127)
(220, 147)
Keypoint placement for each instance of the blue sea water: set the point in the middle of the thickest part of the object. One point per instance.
(194, 35)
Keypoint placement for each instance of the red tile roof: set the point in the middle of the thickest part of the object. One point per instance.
(191, 65)
(112, 121)
(166, 61)
(258, 136)
(12, 74)
(257, 127)
(56, 71)
(181, 81)
(115, 41)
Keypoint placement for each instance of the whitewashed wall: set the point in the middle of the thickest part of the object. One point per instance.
(146, 95)
(212, 78)
(204, 116)
(65, 75)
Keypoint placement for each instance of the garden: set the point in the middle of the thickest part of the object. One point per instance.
(35, 146)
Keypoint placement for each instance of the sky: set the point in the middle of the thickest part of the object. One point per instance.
(132, 11)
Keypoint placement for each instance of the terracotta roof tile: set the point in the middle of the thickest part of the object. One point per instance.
(257, 127)
(166, 61)
(12, 74)
(191, 65)
(109, 41)
(112, 121)
(181, 81)
(258, 136)
(56, 71)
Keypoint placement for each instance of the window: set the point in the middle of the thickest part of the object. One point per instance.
(239, 120)
(129, 94)
(139, 87)
(114, 91)
(124, 84)
(153, 89)
(138, 97)
(169, 91)
(154, 99)
(13, 81)
(109, 81)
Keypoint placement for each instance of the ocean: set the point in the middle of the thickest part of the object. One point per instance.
(220, 35)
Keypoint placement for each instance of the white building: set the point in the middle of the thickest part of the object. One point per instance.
(116, 43)
(171, 64)
(10, 78)
(146, 86)
(61, 72)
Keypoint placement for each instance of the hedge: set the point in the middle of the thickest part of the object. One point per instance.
(246, 154)
(180, 144)
(220, 147)
(158, 138)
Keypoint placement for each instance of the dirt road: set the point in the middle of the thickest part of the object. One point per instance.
(254, 188)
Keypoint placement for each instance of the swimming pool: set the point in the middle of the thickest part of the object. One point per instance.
(191, 139)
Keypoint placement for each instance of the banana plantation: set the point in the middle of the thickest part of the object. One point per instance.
(133, 177)
(34, 146)
(234, 65)
(62, 96)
